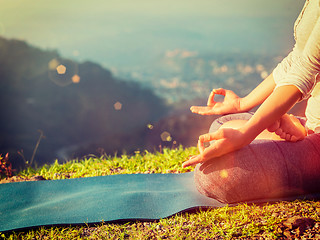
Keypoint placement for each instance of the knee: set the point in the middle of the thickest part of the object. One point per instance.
(218, 182)
(242, 176)
(234, 124)
(231, 120)
(204, 184)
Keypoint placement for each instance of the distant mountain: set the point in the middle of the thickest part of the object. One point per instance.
(80, 107)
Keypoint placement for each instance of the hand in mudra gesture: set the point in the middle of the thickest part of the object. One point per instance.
(226, 140)
(230, 104)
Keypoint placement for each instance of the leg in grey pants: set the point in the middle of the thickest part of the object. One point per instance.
(263, 169)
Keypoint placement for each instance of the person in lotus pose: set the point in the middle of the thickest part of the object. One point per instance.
(268, 153)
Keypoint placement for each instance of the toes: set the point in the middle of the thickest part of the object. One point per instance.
(283, 135)
(288, 137)
(279, 131)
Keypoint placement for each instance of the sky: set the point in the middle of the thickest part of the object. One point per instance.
(122, 33)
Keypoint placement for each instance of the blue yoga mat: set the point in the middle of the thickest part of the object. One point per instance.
(111, 198)
(95, 199)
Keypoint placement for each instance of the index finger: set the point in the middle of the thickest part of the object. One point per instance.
(207, 137)
(192, 161)
(219, 91)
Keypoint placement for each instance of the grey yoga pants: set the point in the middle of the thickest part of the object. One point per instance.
(264, 169)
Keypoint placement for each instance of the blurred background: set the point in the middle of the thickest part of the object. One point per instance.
(112, 76)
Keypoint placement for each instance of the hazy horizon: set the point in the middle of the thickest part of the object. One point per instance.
(127, 33)
(176, 50)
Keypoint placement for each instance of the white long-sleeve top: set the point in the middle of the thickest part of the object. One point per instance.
(301, 67)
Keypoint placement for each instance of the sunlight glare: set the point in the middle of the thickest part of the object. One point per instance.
(61, 69)
(53, 64)
(75, 78)
(117, 106)
(224, 173)
(63, 72)
(166, 137)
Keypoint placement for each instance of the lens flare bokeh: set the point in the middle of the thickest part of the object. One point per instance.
(63, 72)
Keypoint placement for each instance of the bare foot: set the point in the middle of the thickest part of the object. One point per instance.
(235, 124)
(288, 128)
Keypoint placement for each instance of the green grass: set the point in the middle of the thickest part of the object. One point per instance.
(242, 221)
(168, 161)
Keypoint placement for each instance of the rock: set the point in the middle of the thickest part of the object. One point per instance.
(299, 224)
(37, 178)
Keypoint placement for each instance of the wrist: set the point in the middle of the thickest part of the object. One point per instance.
(243, 105)
(249, 133)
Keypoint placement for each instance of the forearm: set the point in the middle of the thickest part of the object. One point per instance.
(280, 101)
(227, 140)
(258, 95)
